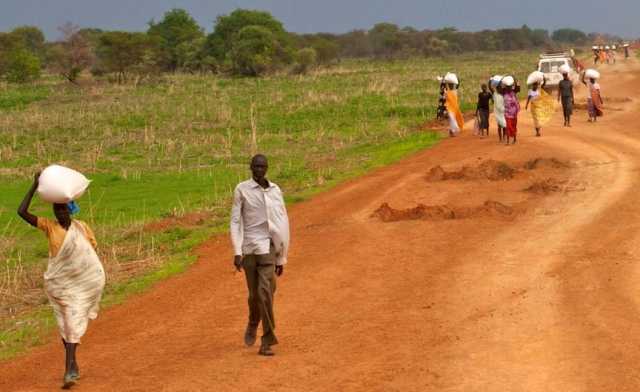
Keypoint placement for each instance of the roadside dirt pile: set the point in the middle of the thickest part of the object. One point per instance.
(490, 208)
(489, 170)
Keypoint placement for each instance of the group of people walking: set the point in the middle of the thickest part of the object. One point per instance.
(75, 278)
(502, 92)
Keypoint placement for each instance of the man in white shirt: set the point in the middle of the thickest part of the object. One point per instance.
(260, 236)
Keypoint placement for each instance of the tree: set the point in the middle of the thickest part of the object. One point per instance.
(121, 52)
(326, 51)
(176, 34)
(572, 36)
(305, 59)
(385, 40)
(22, 66)
(253, 51)
(219, 43)
(31, 39)
(73, 54)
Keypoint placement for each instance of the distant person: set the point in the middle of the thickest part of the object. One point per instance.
(74, 279)
(498, 110)
(596, 54)
(611, 56)
(603, 56)
(456, 120)
(594, 99)
(260, 236)
(482, 110)
(626, 52)
(511, 108)
(566, 97)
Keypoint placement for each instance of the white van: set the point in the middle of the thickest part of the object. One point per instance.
(550, 64)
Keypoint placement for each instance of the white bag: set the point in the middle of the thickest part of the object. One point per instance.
(59, 184)
(535, 77)
(565, 69)
(495, 80)
(592, 74)
(508, 81)
(451, 78)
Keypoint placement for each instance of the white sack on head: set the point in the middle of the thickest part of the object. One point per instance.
(508, 81)
(495, 80)
(535, 77)
(564, 69)
(592, 74)
(451, 78)
(59, 184)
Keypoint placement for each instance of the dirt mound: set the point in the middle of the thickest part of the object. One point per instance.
(489, 170)
(551, 163)
(443, 212)
(545, 187)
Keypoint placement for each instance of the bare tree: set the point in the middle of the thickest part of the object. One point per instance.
(73, 54)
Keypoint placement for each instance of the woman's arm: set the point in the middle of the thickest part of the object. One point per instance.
(526, 107)
(23, 210)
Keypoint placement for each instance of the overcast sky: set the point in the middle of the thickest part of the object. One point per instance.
(620, 17)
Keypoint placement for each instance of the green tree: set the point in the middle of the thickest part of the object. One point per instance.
(31, 39)
(385, 40)
(122, 52)
(22, 66)
(305, 59)
(253, 51)
(220, 42)
(326, 51)
(176, 35)
(572, 36)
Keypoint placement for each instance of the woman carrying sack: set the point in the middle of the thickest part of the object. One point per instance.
(74, 279)
(456, 120)
(594, 99)
(542, 105)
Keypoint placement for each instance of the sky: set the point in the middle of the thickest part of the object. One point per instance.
(620, 17)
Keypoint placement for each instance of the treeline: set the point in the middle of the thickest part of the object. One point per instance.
(245, 42)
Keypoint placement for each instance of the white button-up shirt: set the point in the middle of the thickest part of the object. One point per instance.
(259, 218)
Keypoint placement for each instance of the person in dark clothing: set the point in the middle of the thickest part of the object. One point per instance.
(482, 110)
(565, 95)
(441, 112)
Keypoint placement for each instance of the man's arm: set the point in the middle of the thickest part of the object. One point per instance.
(284, 237)
(23, 210)
(236, 228)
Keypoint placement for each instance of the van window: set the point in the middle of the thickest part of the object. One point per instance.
(550, 66)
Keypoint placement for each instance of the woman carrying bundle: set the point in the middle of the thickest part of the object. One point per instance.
(456, 120)
(74, 279)
(511, 108)
(498, 106)
(542, 106)
(594, 99)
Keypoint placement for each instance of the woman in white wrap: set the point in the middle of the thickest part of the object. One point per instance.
(74, 279)
(498, 106)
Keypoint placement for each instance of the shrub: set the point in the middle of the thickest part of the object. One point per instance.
(23, 66)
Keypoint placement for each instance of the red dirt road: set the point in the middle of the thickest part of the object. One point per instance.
(540, 295)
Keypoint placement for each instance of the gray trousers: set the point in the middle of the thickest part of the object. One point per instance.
(261, 282)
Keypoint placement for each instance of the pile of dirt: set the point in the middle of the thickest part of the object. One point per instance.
(551, 163)
(545, 187)
(490, 208)
(489, 170)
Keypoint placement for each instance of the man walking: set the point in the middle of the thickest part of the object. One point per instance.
(260, 236)
(566, 97)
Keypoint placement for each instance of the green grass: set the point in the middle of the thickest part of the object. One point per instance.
(18, 97)
(168, 149)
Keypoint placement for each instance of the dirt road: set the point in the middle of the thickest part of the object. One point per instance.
(515, 273)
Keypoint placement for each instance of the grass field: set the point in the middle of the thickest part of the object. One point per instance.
(175, 149)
